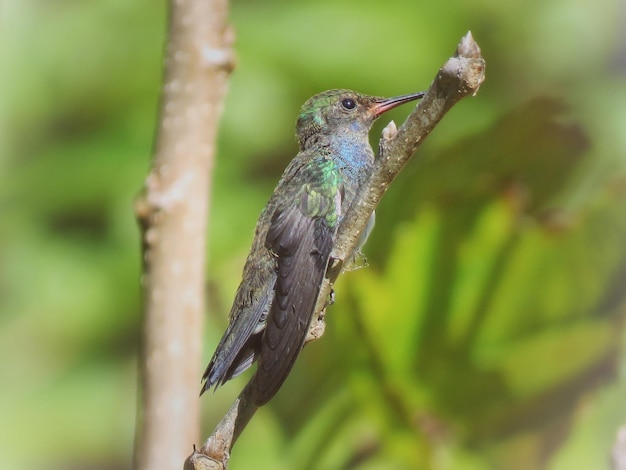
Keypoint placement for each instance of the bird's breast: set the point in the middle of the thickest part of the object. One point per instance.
(354, 160)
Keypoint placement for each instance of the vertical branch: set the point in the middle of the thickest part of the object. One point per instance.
(172, 210)
(618, 452)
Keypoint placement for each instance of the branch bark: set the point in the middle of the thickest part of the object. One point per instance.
(459, 77)
(172, 210)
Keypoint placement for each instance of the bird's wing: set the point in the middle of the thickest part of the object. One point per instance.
(301, 236)
(238, 347)
(240, 344)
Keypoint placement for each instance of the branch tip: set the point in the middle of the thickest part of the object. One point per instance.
(390, 131)
(468, 47)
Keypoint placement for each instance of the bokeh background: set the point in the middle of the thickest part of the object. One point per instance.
(487, 331)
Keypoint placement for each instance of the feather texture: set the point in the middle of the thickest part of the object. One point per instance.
(301, 236)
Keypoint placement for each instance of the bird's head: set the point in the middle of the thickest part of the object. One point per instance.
(336, 111)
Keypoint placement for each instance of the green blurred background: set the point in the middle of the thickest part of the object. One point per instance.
(487, 331)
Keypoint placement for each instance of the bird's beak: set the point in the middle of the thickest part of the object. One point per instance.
(382, 105)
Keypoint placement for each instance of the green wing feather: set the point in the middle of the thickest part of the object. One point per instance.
(301, 236)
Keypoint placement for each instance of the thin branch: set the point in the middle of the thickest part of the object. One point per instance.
(172, 210)
(459, 77)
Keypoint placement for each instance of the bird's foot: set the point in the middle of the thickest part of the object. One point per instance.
(331, 297)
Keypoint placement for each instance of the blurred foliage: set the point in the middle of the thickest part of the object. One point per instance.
(487, 331)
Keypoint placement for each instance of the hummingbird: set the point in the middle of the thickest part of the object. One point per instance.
(294, 239)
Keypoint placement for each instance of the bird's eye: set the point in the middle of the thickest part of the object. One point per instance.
(348, 103)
